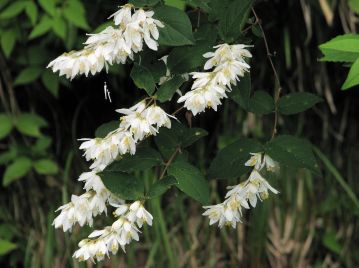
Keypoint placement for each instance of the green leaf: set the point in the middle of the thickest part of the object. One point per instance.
(123, 185)
(192, 135)
(202, 4)
(294, 103)
(6, 125)
(51, 81)
(46, 167)
(106, 128)
(13, 10)
(292, 152)
(30, 124)
(6, 247)
(231, 25)
(75, 13)
(343, 48)
(31, 12)
(18, 169)
(330, 242)
(178, 27)
(261, 103)
(188, 58)
(143, 3)
(161, 186)
(353, 76)
(8, 40)
(145, 158)
(168, 140)
(229, 162)
(42, 144)
(49, 6)
(59, 27)
(28, 75)
(167, 89)
(354, 5)
(42, 27)
(241, 92)
(180, 4)
(190, 180)
(143, 78)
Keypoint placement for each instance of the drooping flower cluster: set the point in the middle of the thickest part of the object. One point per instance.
(243, 195)
(138, 122)
(141, 120)
(112, 45)
(209, 88)
(125, 229)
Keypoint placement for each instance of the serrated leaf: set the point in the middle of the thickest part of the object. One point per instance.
(143, 3)
(161, 186)
(168, 88)
(6, 125)
(190, 180)
(241, 92)
(8, 40)
(229, 162)
(192, 135)
(6, 247)
(42, 27)
(294, 103)
(31, 12)
(51, 81)
(106, 128)
(261, 103)
(49, 6)
(46, 167)
(187, 58)
(145, 158)
(231, 24)
(180, 4)
(343, 48)
(30, 124)
(125, 186)
(13, 10)
(143, 78)
(16, 170)
(28, 75)
(42, 144)
(353, 76)
(178, 27)
(293, 152)
(168, 140)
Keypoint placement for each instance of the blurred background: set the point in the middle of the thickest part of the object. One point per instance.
(312, 223)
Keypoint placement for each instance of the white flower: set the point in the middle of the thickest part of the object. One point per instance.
(215, 214)
(210, 87)
(92, 181)
(157, 116)
(123, 15)
(255, 161)
(112, 45)
(270, 164)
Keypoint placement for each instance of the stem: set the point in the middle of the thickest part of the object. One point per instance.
(169, 162)
(178, 110)
(277, 87)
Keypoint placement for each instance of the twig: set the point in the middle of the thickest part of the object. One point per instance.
(178, 110)
(277, 87)
(169, 162)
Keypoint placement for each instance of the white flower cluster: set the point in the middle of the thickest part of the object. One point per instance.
(112, 45)
(83, 208)
(141, 120)
(209, 88)
(125, 229)
(244, 194)
(138, 122)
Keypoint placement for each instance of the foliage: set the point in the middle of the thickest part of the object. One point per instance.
(186, 160)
